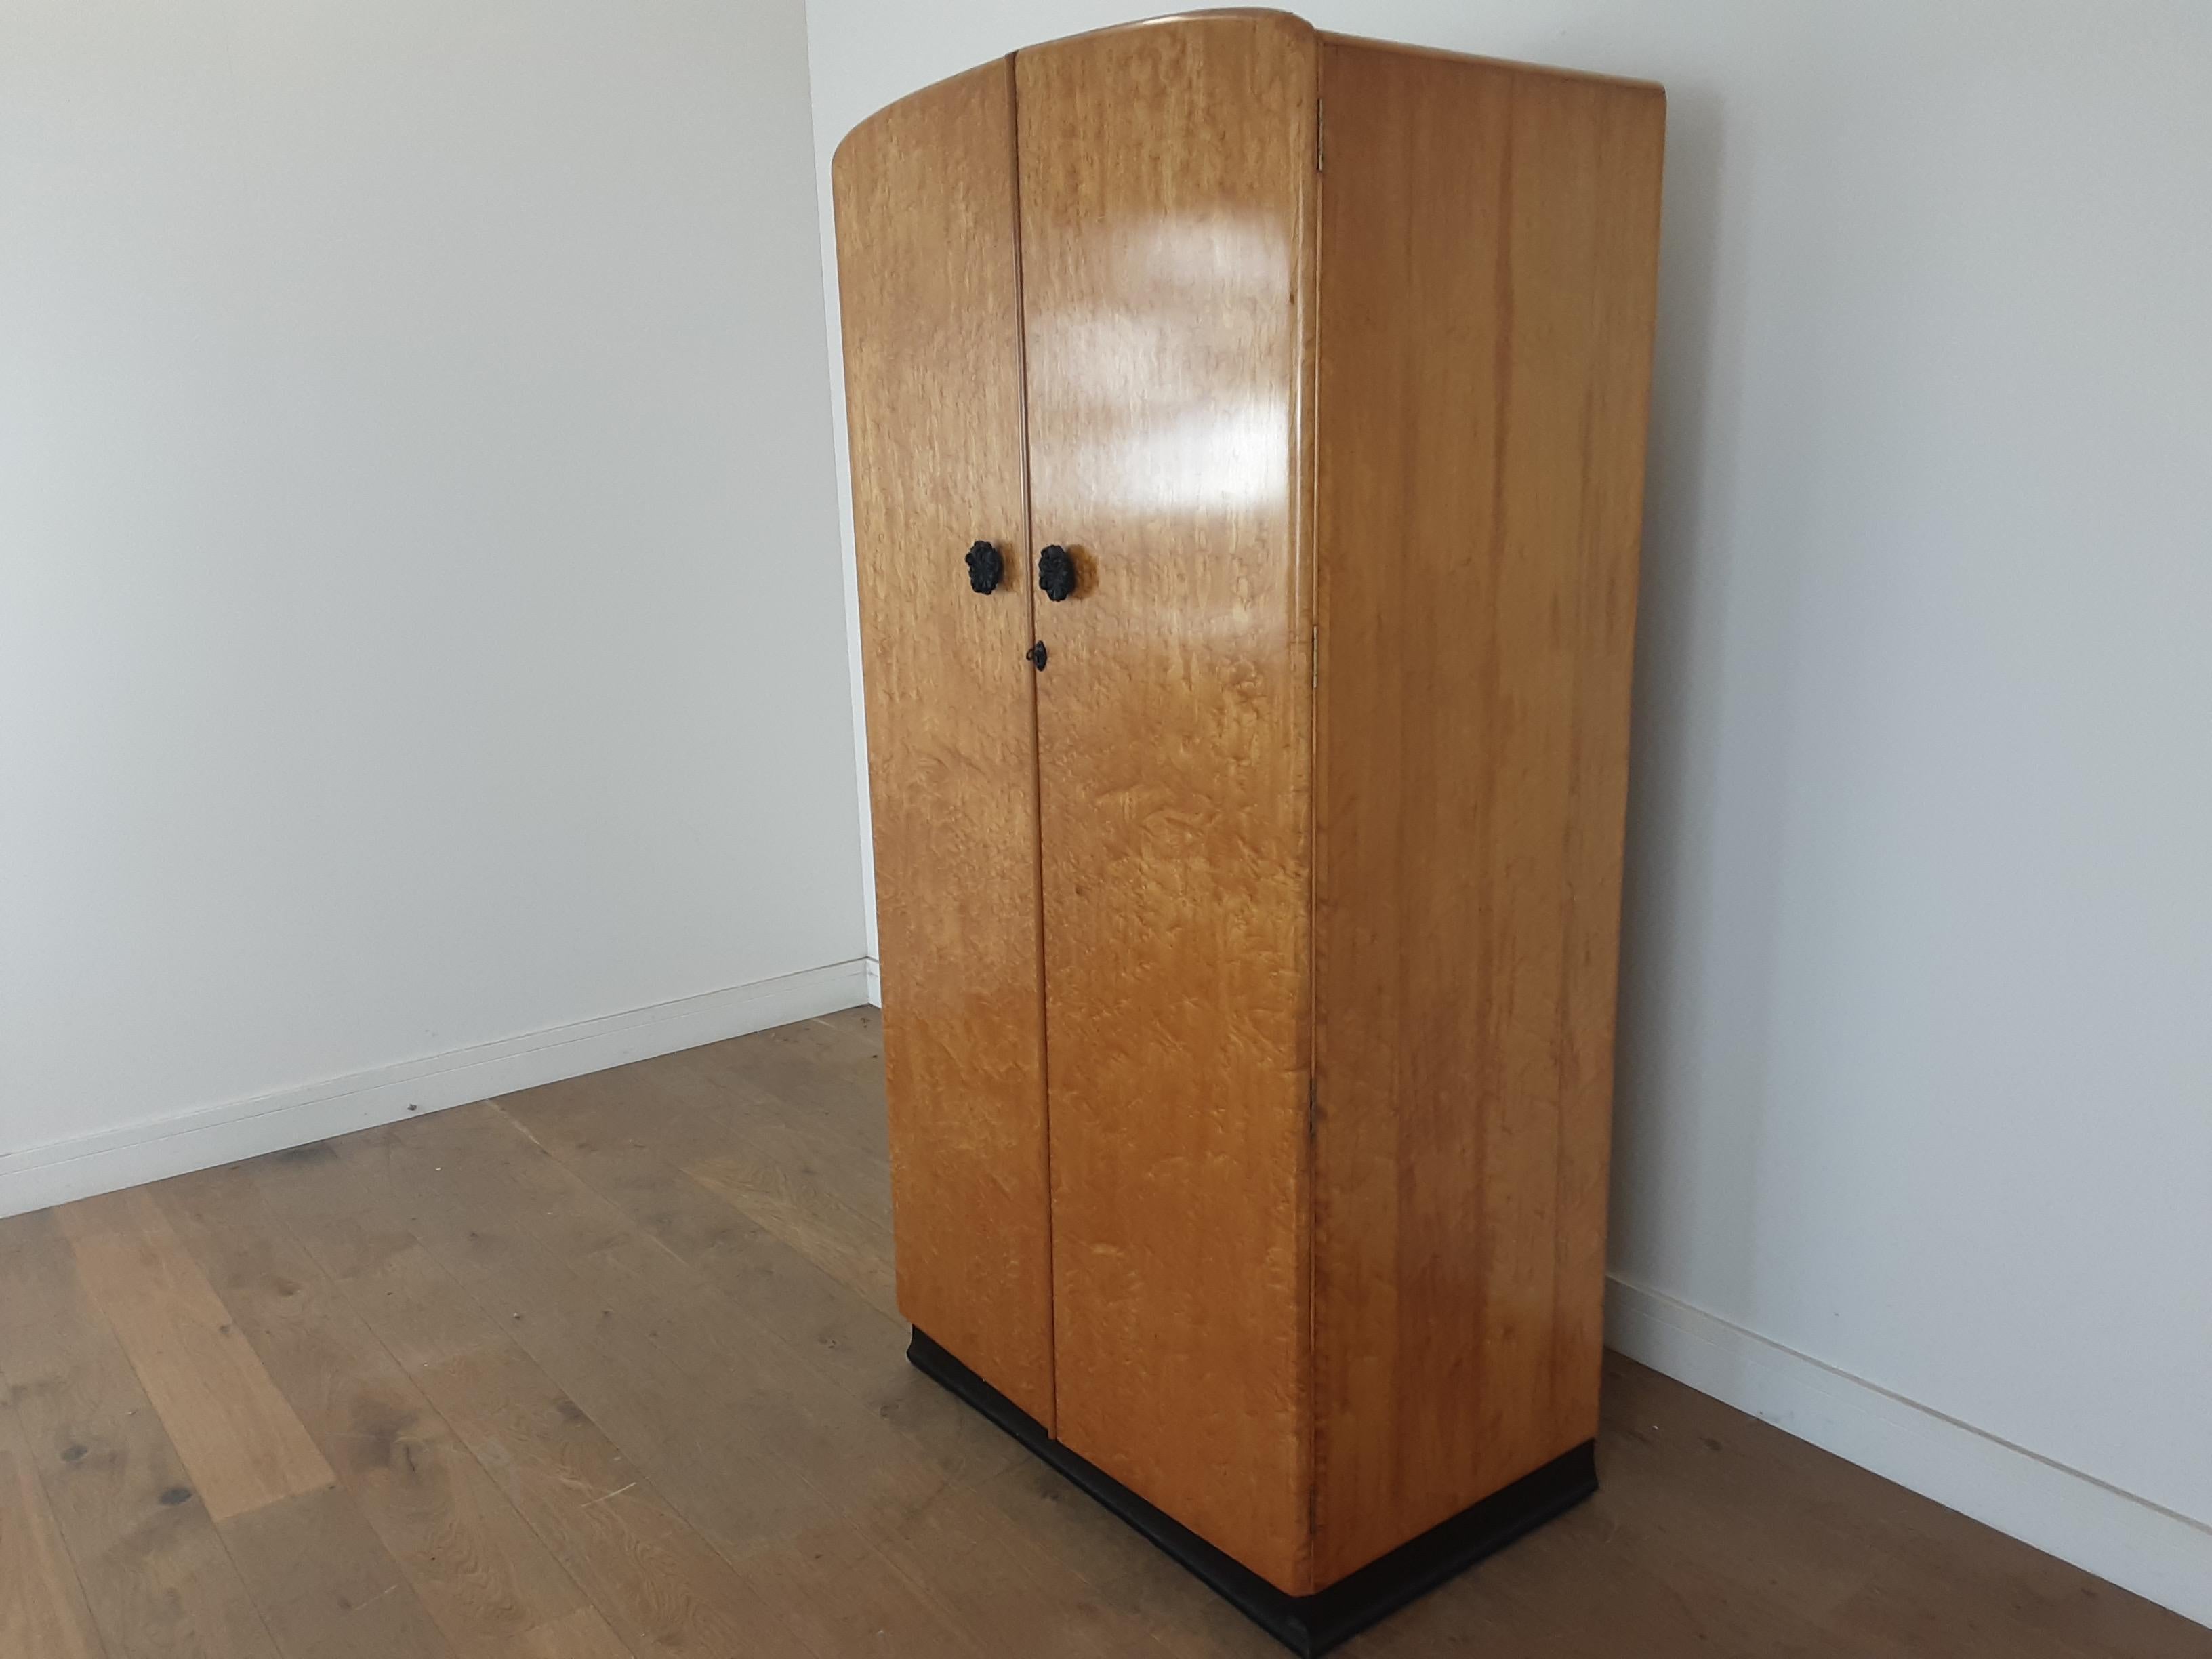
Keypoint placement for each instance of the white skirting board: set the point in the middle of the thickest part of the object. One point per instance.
(875, 981)
(2160, 1554)
(159, 1147)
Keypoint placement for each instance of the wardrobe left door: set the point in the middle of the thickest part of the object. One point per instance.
(929, 272)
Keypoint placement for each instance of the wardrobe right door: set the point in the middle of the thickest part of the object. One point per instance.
(1167, 173)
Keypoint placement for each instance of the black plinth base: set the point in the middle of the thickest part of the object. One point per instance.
(1307, 1624)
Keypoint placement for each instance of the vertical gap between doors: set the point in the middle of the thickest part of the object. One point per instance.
(1308, 391)
(1036, 757)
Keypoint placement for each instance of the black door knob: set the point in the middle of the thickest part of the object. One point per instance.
(985, 567)
(1056, 573)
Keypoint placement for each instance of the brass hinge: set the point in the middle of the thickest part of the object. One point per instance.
(1317, 657)
(1313, 1107)
(1320, 162)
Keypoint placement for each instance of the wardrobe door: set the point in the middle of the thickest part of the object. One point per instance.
(1167, 175)
(926, 270)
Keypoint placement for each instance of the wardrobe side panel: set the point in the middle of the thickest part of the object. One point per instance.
(1167, 189)
(927, 275)
(1488, 247)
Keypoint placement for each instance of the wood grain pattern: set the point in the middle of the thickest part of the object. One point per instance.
(626, 1333)
(1167, 180)
(528, 1239)
(155, 1573)
(324, 1584)
(243, 1443)
(846, 1341)
(928, 271)
(767, 1177)
(654, 1576)
(1489, 236)
(644, 1354)
(649, 1573)
(1007, 1593)
(42, 1607)
(472, 1561)
(1716, 1537)
(582, 1635)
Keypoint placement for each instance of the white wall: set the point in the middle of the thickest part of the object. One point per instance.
(419, 594)
(1915, 1148)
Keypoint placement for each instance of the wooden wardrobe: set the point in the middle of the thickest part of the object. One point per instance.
(1247, 437)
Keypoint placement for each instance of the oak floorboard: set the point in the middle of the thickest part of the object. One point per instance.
(483, 1575)
(829, 1119)
(1126, 1575)
(649, 1365)
(857, 1349)
(232, 1426)
(839, 1477)
(326, 1585)
(756, 1119)
(42, 1606)
(656, 1579)
(848, 1342)
(796, 1170)
(658, 1584)
(820, 1194)
(155, 1573)
(628, 1362)
(771, 1182)
(629, 1333)
(915, 1503)
(1715, 1533)
(582, 1635)
(884, 1500)
(829, 1071)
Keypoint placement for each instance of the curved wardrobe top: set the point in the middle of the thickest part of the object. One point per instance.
(1267, 17)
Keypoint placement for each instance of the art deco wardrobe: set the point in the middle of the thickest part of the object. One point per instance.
(1247, 435)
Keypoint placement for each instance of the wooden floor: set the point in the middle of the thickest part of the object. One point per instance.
(612, 1367)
